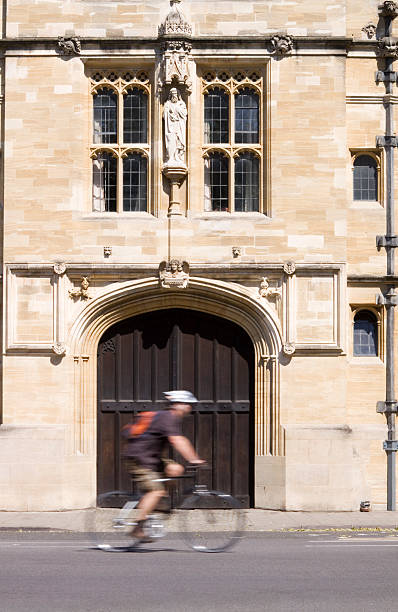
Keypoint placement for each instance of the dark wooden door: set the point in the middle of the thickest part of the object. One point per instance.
(143, 356)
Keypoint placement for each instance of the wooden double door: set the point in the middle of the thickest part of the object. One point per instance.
(143, 356)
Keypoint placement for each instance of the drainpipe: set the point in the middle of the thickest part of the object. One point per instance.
(388, 51)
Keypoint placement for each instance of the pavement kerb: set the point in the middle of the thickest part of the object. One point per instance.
(257, 520)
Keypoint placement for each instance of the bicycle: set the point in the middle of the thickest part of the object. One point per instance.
(209, 521)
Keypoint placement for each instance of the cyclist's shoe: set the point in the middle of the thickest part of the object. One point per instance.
(139, 534)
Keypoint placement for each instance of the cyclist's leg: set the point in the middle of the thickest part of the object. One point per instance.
(152, 490)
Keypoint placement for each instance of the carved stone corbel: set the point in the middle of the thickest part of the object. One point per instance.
(281, 45)
(370, 30)
(389, 8)
(289, 348)
(265, 291)
(69, 45)
(174, 274)
(289, 267)
(387, 47)
(81, 293)
(59, 268)
(59, 348)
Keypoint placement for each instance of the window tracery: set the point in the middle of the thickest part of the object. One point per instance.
(233, 140)
(121, 139)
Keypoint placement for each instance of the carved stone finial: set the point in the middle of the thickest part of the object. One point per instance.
(281, 44)
(59, 348)
(69, 46)
(370, 30)
(81, 293)
(265, 291)
(174, 274)
(388, 47)
(59, 268)
(289, 267)
(175, 22)
(289, 348)
(388, 9)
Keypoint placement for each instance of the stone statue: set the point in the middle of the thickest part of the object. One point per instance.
(175, 120)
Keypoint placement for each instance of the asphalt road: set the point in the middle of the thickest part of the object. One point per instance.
(300, 571)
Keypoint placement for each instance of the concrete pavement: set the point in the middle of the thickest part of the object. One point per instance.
(257, 520)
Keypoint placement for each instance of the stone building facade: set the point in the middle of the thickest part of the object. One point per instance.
(212, 163)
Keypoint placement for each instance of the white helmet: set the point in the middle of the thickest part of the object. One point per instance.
(180, 397)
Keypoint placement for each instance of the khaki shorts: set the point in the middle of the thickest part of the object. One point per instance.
(145, 477)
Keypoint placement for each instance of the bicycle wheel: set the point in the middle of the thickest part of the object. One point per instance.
(211, 521)
(112, 521)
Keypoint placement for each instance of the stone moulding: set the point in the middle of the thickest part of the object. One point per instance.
(226, 300)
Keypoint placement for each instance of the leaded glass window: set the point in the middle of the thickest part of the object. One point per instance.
(134, 182)
(121, 140)
(135, 118)
(246, 183)
(104, 182)
(105, 116)
(365, 334)
(365, 178)
(216, 116)
(233, 141)
(216, 182)
(246, 116)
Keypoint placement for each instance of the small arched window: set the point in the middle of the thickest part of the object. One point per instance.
(105, 117)
(365, 178)
(135, 182)
(135, 117)
(365, 334)
(216, 116)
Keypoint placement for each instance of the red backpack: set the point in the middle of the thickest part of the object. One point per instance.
(133, 430)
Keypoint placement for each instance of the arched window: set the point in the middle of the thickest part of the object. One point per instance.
(105, 116)
(104, 182)
(216, 182)
(216, 116)
(365, 334)
(365, 178)
(247, 183)
(135, 182)
(135, 117)
(246, 117)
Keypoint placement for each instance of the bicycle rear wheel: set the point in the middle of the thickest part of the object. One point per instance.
(211, 521)
(111, 522)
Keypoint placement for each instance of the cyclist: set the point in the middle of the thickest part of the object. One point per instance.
(144, 453)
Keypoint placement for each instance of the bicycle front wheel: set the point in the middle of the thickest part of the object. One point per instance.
(111, 522)
(211, 521)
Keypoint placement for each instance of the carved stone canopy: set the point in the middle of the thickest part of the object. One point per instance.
(175, 22)
(174, 274)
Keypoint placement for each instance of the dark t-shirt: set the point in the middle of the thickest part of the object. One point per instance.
(149, 447)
